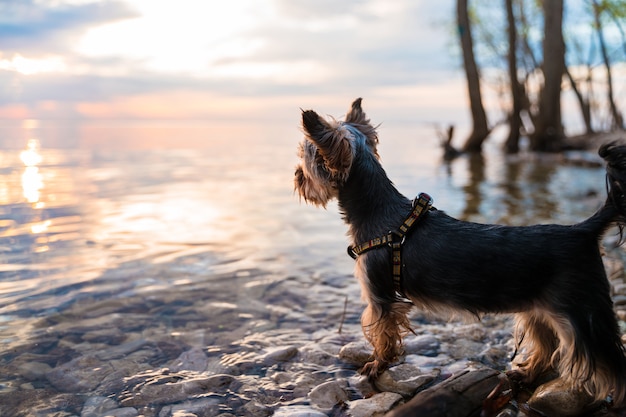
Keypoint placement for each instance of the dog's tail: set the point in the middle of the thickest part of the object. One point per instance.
(614, 210)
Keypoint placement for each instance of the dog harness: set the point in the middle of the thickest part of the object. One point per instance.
(396, 238)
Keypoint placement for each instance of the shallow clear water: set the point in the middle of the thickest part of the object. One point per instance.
(202, 243)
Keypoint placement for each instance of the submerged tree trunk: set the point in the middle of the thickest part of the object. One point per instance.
(548, 133)
(515, 121)
(480, 130)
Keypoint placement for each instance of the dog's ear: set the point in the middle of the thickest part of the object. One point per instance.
(314, 125)
(330, 141)
(357, 117)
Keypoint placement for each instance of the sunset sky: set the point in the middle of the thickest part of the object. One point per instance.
(226, 60)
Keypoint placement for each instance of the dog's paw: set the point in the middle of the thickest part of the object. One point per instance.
(517, 375)
(524, 376)
(373, 369)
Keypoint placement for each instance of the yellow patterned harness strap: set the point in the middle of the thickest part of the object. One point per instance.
(395, 239)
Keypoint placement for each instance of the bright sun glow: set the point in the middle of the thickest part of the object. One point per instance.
(182, 36)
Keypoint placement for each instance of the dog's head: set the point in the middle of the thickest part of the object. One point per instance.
(328, 150)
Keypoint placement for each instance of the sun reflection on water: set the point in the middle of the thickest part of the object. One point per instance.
(32, 183)
(32, 180)
(31, 156)
(40, 227)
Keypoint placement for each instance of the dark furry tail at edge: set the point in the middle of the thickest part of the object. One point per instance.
(614, 210)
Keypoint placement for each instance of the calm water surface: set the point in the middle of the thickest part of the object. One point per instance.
(131, 233)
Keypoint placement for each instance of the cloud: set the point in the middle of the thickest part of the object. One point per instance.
(32, 27)
(356, 43)
(285, 49)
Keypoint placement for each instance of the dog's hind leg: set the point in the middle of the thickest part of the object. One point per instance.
(384, 326)
(537, 341)
(591, 352)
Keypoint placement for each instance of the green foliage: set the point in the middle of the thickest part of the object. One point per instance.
(615, 8)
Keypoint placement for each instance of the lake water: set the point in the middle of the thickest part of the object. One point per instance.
(172, 237)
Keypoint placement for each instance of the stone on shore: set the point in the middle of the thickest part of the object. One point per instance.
(404, 379)
(375, 406)
(555, 399)
(327, 395)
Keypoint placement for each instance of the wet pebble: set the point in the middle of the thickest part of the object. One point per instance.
(123, 350)
(120, 412)
(97, 406)
(375, 406)
(301, 384)
(201, 407)
(404, 379)
(34, 370)
(356, 353)
(438, 361)
(39, 403)
(323, 355)
(106, 407)
(256, 409)
(111, 336)
(362, 386)
(425, 345)
(278, 354)
(165, 388)
(494, 356)
(298, 411)
(329, 394)
(463, 348)
(193, 359)
(557, 400)
(618, 285)
(248, 361)
(114, 382)
(82, 374)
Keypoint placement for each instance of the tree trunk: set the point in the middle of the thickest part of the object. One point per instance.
(515, 122)
(529, 61)
(548, 133)
(585, 107)
(618, 121)
(480, 130)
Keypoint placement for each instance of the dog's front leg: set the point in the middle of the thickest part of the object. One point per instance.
(384, 327)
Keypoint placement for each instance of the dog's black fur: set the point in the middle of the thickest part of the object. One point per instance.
(551, 276)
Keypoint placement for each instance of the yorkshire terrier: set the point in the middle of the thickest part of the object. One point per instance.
(410, 254)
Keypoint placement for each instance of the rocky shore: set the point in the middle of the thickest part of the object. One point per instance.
(297, 371)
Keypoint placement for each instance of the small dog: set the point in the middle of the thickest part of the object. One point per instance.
(551, 276)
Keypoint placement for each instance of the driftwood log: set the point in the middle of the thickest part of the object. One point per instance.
(461, 395)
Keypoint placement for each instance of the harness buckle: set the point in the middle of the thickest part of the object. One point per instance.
(397, 238)
(425, 199)
(352, 252)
